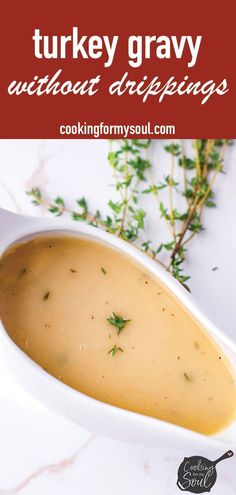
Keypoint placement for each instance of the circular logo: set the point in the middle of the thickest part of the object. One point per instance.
(198, 474)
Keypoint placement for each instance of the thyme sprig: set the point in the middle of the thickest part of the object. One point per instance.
(189, 181)
(129, 167)
(199, 173)
(125, 219)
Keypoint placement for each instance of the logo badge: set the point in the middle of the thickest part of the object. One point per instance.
(197, 474)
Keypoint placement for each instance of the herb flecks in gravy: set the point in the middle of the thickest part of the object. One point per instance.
(113, 351)
(107, 335)
(118, 322)
(22, 272)
(46, 295)
(188, 377)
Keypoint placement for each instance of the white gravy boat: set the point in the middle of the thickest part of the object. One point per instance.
(88, 412)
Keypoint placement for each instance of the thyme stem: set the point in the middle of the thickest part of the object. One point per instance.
(131, 166)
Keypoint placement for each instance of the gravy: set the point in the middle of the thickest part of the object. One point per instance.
(99, 323)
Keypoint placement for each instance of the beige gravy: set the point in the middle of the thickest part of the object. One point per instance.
(65, 301)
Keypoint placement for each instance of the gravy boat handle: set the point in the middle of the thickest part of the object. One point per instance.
(8, 221)
(12, 225)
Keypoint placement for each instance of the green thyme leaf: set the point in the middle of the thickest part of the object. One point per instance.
(113, 351)
(118, 322)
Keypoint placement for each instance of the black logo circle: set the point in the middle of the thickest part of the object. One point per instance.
(197, 474)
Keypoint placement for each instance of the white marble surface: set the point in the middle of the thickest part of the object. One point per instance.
(43, 453)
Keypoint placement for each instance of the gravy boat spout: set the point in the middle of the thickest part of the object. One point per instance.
(90, 413)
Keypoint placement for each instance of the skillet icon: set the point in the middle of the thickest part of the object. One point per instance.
(198, 474)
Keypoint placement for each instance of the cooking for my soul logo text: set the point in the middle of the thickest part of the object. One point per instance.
(198, 474)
